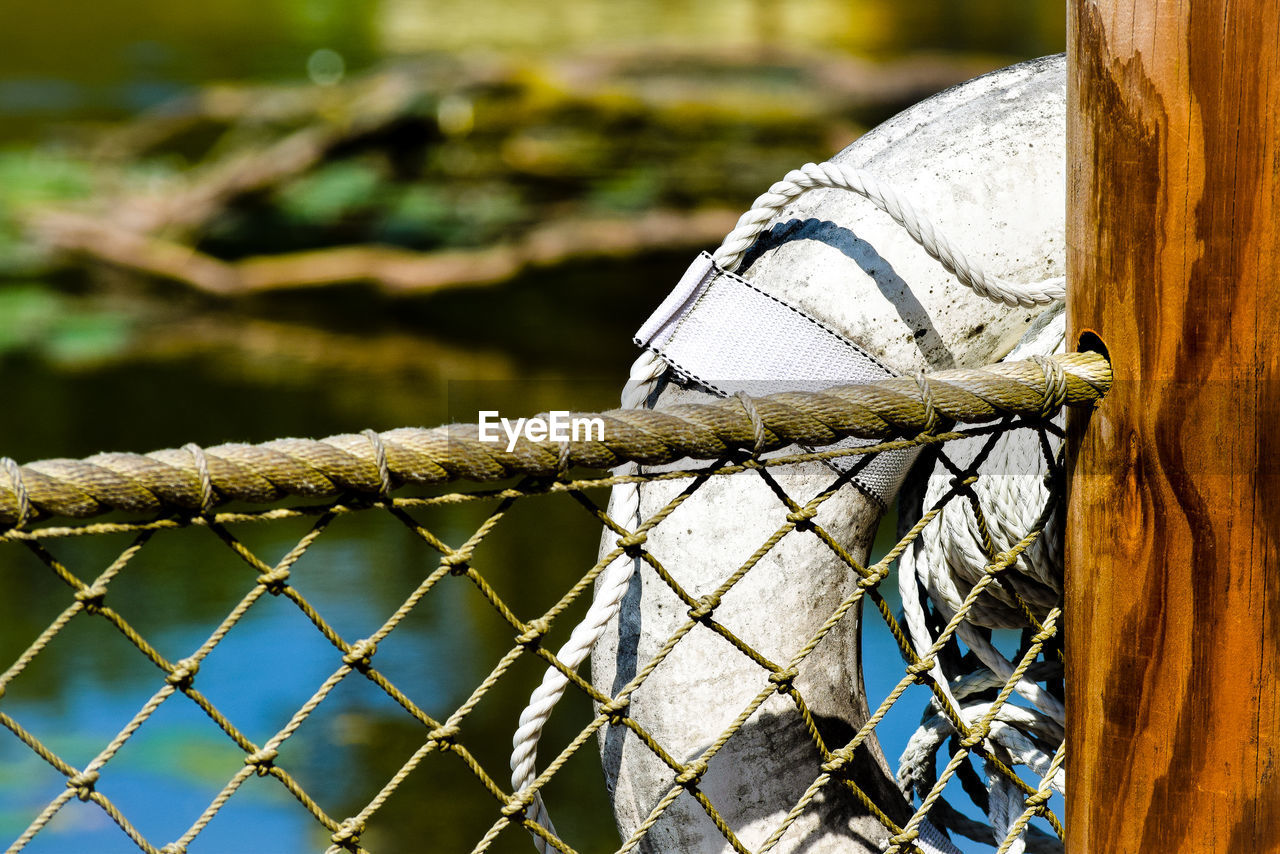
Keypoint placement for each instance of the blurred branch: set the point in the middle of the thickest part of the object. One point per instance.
(843, 82)
(381, 100)
(106, 242)
(487, 146)
(395, 271)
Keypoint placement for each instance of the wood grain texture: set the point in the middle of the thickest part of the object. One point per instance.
(1173, 535)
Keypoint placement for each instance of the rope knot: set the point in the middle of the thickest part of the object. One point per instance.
(182, 673)
(1038, 800)
(516, 805)
(616, 709)
(457, 562)
(803, 518)
(174, 848)
(839, 758)
(1001, 562)
(91, 597)
(692, 773)
(262, 760)
(783, 679)
(274, 580)
(360, 653)
(83, 784)
(1047, 632)
(533, 632)
(871, 581)
(348, 833)
(920, 670)
(907, 837)
(633, 544)
(443, 734)
(706, 605)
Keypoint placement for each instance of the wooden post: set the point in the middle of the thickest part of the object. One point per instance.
(1173, 532)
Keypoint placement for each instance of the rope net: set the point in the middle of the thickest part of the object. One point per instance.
(982, 717)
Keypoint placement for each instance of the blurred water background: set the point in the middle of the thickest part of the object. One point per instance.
(432, 199)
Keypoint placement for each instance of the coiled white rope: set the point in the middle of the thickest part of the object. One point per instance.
(1015, 732)
(946, 560)
(649, 368)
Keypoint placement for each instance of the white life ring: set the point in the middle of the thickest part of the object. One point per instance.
(985, 162)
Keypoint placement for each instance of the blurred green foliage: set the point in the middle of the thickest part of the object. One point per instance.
(334, 192)
(58, 327)
(31, 177)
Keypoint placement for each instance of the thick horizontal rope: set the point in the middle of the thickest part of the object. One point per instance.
(181, 481)
(525, 489)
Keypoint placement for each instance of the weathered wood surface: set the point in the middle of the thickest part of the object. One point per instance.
(1173, 635)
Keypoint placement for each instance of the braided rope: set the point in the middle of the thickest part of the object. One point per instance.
(167, 481)
(836, 176)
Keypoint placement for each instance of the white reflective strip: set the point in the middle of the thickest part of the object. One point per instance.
(722, 332)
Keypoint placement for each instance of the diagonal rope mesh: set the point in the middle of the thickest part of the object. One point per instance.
(969, 729)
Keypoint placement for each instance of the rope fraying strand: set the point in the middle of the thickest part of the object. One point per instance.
(21, 499)
(207, 500)
(379, 460)
(757, 423)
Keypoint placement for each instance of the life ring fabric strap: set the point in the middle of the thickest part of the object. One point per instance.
(728, 335)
